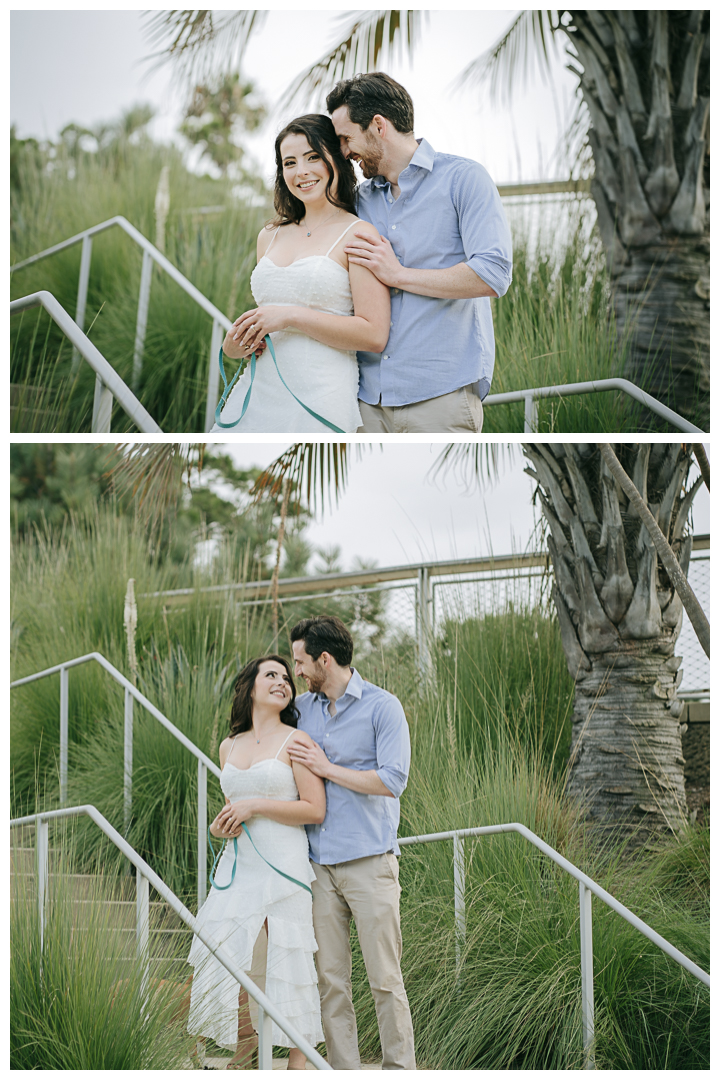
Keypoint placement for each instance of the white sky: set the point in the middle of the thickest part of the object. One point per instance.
(392, 513)
(87, 66)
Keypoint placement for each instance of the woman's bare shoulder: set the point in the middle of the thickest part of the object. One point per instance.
(225, 745)
(301, 736)
(364, 226)
(265, 237)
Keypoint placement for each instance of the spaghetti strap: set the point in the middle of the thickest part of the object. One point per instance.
(283, 745)
(272, 241)
(232, 746)
(341, 236)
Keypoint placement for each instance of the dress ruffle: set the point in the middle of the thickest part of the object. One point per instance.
(234, 918)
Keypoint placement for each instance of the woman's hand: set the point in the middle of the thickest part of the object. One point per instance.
(253, 325)
(236, 350)
(229, 821)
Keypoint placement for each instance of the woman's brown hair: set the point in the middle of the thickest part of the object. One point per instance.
(320, 134)
(241, 711)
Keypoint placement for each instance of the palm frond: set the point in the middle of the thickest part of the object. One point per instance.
(202, 44)
(473, 462)
(528, 40)
(314, 469)
(367, 38)
(152, 474)
(572, 155)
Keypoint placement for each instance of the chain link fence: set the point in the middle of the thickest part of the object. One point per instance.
(415, 606)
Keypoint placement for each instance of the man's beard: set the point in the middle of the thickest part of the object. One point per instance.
(316, 681)
(371, 161)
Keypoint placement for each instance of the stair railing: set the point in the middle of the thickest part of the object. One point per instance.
(108, 384)
(587, 888)
(204, 763)
(146, 876)
(531, 396)
(150, 255)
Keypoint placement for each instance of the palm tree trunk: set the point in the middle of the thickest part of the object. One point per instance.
(661, 300)
(620, 617)
(672, 567)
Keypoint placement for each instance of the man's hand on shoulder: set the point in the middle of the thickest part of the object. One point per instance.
(371, 250)
(307, 752)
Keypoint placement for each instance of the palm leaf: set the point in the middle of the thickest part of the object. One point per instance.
(529, 39)
(152, 474)
(367, 38)
(473, 462)
(318, 469)
(203, 44)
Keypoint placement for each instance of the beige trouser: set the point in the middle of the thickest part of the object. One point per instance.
(368, 891)
(459, 411)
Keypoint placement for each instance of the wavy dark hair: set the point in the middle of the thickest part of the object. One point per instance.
(241, 711)
(320, 133)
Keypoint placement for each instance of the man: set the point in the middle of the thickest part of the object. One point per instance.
(444, 251)
(361, 747)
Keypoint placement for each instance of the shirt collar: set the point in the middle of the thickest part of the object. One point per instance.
(354, 687)
(423, 158)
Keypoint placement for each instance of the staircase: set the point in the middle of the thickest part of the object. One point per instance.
(169, 937)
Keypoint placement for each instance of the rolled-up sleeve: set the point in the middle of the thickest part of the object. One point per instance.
(392, 737)
(483, 227)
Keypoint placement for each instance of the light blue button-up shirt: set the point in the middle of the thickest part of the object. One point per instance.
(368, 731)
(448, 212)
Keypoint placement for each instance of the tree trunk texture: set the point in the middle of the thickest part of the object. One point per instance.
(645, 77)
(619, 620)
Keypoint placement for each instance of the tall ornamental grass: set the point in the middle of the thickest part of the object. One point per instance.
(487, 733)
(489, 700)
(515, 1002)
(216, 252)
(82, 1002)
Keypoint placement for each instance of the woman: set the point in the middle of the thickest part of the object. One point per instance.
(317, 308)
(257, 907)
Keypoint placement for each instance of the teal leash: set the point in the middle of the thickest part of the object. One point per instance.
(232, 876)
(228, 388)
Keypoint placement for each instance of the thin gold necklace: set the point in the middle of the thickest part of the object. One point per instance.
(324, 222)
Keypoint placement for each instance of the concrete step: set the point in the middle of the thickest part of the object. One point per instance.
(278, 1063)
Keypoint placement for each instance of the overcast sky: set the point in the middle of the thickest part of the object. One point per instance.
(87, 66)
(392, 513)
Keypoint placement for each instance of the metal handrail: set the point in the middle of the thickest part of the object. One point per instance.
(150, 255)
(132, 692)
(146, 876)
(587, 888)
(108, 384)
(531, 395)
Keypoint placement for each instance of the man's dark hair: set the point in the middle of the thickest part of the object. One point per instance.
(374, 94)
(324, 633)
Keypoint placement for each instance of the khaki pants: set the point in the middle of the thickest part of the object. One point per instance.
(368, 891)
(459, 411)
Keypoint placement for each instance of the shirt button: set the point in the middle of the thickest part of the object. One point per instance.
(391, 322)
(386, 357)
(394, 226)
(322, 830)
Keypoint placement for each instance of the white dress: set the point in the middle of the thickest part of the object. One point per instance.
(322, 377)
(235, 916)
